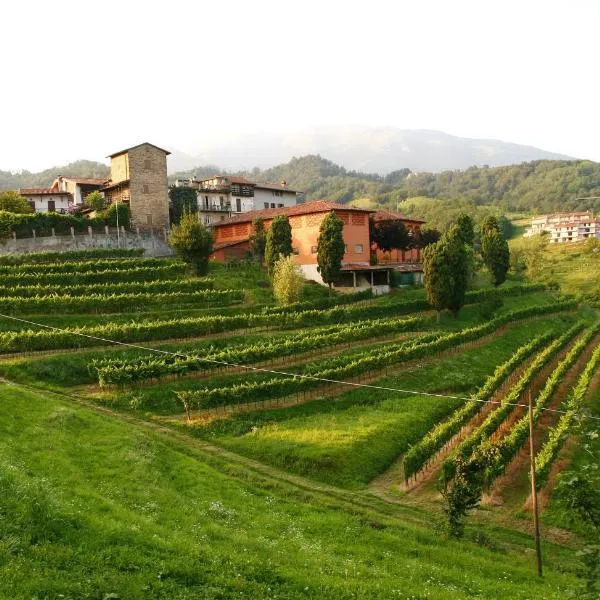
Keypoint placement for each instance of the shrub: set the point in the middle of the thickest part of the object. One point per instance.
(193, 242)
(288, 280)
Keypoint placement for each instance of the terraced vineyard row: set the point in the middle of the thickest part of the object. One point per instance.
(120, 372)
(469, 445)
(85, 266)
(132, 273)
(133, 287)
(499, 453)
(545, 458)
(90, 303)
(421, 453)
(350, 366)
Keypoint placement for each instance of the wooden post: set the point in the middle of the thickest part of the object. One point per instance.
(354, 279)
(536, 523)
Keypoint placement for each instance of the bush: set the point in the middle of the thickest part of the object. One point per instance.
(193, 242)
(288, 280)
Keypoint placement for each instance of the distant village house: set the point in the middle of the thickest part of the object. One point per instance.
(566, 227)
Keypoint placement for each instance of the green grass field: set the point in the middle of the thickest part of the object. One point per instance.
(111, 493)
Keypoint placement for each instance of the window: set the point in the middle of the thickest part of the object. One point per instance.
(313, 249)
(238, 204)
(145, 188)
(272, 204)
(147, 164)
(280, 206)
(266, 205)
(148, 219)
(358, 248)
(295, 251)
(51, 205)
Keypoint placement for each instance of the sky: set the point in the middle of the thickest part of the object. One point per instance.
(84, 80)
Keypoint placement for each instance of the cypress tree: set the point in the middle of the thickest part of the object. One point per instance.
(279, 241)
(330, 248)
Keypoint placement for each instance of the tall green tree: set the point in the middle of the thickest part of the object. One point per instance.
(258, 239)
(279, 241)
(466, 228)
(494, 250)
(446, 271)
(183, 200)
(330, 248)
(12, 201)
(193, 242)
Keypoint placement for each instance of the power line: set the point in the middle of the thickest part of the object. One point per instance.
(285, 373)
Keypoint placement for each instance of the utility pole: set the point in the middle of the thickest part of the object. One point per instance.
(118, 236)
(536, 522)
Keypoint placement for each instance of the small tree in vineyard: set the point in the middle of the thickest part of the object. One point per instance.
(193, 242)
(288, 280)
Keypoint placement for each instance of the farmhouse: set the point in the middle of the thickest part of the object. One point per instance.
(566, 227)
(232, 241)
(44, 200)
(138, 177)
(221, 196)
(78, 187)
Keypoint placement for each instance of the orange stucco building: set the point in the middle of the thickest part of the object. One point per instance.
(231, 240)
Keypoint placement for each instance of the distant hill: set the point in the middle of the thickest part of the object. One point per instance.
(80, 168)
(371, 149)
(533, 187)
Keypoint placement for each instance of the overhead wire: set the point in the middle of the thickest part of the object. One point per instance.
(285, 373)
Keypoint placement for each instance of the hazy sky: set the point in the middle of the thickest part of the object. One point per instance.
(82, 79)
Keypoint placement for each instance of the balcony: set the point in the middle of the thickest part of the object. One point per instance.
(215, 208)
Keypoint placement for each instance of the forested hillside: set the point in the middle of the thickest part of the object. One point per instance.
(534, 187)
(80, 168)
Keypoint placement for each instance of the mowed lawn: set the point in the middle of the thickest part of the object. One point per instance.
(95, 507)
(348, 440)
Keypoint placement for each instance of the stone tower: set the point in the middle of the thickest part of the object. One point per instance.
(138, 177)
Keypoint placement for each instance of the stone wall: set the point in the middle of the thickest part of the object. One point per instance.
(149, 194)
(154, 242)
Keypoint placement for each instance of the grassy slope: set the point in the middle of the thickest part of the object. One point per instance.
(92, 506)
(352, 438)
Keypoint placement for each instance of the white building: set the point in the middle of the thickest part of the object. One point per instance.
(79, 187)
(44, 200)
(222, 196)
(566, 227)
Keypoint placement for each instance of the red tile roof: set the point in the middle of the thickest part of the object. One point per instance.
(387, 215)
(274, 186)
(42, 192)
(86, 180)
(134, 147)
(222, 245)
(316, 206)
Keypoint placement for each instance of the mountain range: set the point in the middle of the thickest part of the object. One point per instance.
(367, 149)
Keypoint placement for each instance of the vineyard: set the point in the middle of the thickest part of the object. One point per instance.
(370, 395)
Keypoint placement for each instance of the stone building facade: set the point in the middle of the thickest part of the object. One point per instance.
(138, 177)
